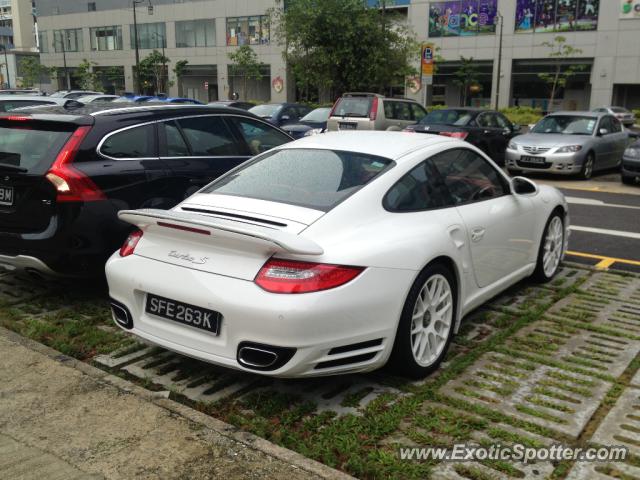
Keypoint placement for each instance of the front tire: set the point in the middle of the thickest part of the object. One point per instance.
(627, 180)
(587, 167)
(426, 324)
(551, 247)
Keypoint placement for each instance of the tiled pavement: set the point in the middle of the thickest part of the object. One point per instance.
(552, 376)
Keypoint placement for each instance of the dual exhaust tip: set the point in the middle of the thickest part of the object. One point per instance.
(260, 357)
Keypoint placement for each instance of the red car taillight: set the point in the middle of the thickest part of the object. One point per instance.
(289, 276)
(130, 243)
(71, 184)
(373, 113)
(460, 135)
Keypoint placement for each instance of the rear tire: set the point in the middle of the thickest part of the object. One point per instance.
(551, 248)
(588, 166)
(426, 324)
(628, 180)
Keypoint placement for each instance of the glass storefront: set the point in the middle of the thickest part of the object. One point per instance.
(542, 16)
(462, 18)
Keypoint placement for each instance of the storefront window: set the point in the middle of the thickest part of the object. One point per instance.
(150, 35)
(462, 18)
(106, 38)
(248, 30)
(196, 33)
(542, 16)
(69, 40)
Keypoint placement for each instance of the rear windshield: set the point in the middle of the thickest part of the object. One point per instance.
(30, 146)
(317, 179)
(619, 110)
(447, 117)
(353, 107)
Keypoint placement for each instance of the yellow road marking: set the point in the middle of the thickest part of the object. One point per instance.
(605, 262)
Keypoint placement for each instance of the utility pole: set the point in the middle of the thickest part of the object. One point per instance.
(499, 15)
(67, 79)
(135, 42)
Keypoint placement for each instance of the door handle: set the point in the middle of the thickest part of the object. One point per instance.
(477, 234)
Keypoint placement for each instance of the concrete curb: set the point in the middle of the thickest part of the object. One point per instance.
(248, 439)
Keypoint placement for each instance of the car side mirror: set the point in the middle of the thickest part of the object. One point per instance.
(603, 131)
(516, 127)
(523, 186)
(285, 118)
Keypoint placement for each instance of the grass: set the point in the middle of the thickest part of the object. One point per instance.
(365, 444)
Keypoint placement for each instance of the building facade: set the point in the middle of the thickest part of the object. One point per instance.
(605, 66)
(202, 32)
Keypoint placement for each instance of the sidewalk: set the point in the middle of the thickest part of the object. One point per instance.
(63, 419)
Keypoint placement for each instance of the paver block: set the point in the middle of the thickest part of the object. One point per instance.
(567, 276)
(15, 287)
(116, 359)
(601, 353)
(613, 286)
(555, 398)
(621, 426)
(600, 471)
(519, 299)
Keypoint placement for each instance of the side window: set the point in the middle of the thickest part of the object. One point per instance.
(606, 123)
(302, 111)
(209, 136)
(259, 136)
(389, 113)
(176, 145)
(468, 176)
(615, 124)
(502, 121)
(289, 112)
(138, 142)
(483, 120)
(420, 189)
(418, 112)
(403, 111)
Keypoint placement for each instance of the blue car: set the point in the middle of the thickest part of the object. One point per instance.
(312, 123)
(280, 114)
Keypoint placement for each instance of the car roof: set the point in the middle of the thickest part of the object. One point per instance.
(393, 145)
(4, 96)
(86, 114)
(579, 113)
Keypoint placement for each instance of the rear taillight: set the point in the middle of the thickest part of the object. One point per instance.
(71, 184)
(130, 243)
(289, 276)
(460, 135)
(373, 113)
(17, 118)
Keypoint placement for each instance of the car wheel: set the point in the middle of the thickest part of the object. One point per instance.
(627, 180)
(587, 167)
(550, 252)
(426, 325)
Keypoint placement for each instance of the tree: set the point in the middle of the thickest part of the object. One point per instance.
(560, 73)
(86, 77)
(179, 68)
(152, 70)
(245, 64)
(32, 71)
(466, 76)
(336, 45)
(112, 77)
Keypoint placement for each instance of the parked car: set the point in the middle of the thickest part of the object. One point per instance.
(370, 111)
(280, 113)
(64, 174)
(631, 163)
(13, 101)
(626, 117)
(134, 99)
(97, 98)
(165, 99)
(310, 280)
(488, 130)
(313, 122)
(233, 104)
(20, 91)
(569, 143)
(73, 94)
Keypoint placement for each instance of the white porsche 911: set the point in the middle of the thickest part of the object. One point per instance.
(335, 253)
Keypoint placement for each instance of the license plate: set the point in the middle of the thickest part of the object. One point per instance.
(527, 159)
(347, 126)
(184, 313)
(6, 195)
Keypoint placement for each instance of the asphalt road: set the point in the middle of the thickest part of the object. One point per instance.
(604, 224)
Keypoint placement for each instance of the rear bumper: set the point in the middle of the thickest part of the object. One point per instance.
(77, 241)
(364, 310)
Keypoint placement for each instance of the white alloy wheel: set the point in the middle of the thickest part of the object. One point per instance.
(552, 246)
(431, 321)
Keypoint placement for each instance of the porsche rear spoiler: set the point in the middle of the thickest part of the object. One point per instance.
(285, 241)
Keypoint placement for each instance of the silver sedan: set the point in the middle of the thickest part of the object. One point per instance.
(569, 143)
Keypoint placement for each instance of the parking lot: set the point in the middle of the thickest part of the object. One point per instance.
(537, 366)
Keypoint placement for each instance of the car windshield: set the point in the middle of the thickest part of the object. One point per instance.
(59, 94)
(447, 117)
(619, 110)
(566, 125)
(265, 111)
(352, 107)
(317, 115)
(311, 178)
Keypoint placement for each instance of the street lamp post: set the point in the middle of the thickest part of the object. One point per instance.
(67, 79)
(135, 38)
(499, 15)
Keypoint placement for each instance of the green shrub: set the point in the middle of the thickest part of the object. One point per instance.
(522, 115)
(637, 112)
(431, 108)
